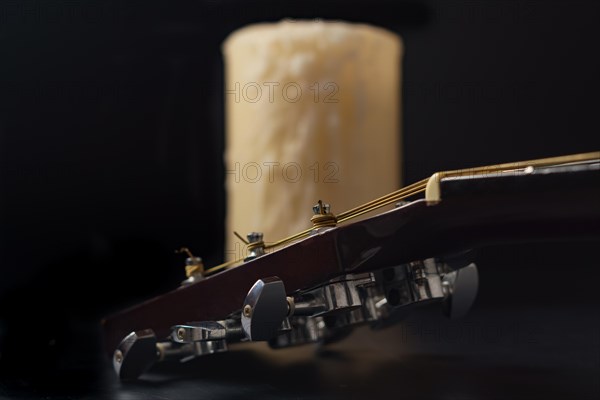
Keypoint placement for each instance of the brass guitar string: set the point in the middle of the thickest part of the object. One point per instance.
(420, 187)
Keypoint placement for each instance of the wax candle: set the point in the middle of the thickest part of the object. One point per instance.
(312, 112)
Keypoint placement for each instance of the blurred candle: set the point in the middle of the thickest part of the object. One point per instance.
(312, 112)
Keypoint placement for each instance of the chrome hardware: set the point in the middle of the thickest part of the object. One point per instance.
(340, 295)
(322, 314)
(255, 245)
(415, 282)
(330, 311)
(197, 349)
(322, 218)
(189, 351)
(135, 354)
(460, 289)
(198, 332)
(264, 309)
(321, 208)
(194, 267)
(305, 330)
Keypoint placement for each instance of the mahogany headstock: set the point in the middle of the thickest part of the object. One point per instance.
(526, 204)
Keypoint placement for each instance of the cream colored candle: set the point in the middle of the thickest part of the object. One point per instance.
(312, 112)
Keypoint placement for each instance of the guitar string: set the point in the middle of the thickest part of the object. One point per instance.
(374, 204)
(519, 165)
(420, 187)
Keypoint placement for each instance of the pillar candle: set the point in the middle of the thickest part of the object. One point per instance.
(312, 113)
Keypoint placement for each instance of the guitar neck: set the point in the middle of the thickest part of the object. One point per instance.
(554, 203)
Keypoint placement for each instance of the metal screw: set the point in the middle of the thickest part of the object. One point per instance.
(321, 208)
(118, 356)
(247, 311)
(291, 306)
(193, 261)
(180, 333)
(254, 237)
(446, 288)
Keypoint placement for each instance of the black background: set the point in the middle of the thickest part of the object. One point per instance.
(111, 141)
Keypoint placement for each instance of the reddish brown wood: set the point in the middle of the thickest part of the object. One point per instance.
(299, 266)
(479, 212)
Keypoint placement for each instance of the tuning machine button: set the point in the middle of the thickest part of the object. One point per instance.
(460, 290)
(135, 354)
(264, 309)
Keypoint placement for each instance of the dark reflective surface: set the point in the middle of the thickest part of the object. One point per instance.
(512, 353)
(111, 143)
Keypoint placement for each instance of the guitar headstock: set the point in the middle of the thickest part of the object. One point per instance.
(317, 285)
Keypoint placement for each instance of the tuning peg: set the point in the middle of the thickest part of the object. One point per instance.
(323, 218)
(256, 245)
(198, 332)
(460, 289)
(194, 267)
(136, 353)
(264, 309)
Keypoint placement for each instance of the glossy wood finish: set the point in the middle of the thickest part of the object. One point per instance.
(551, 204)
